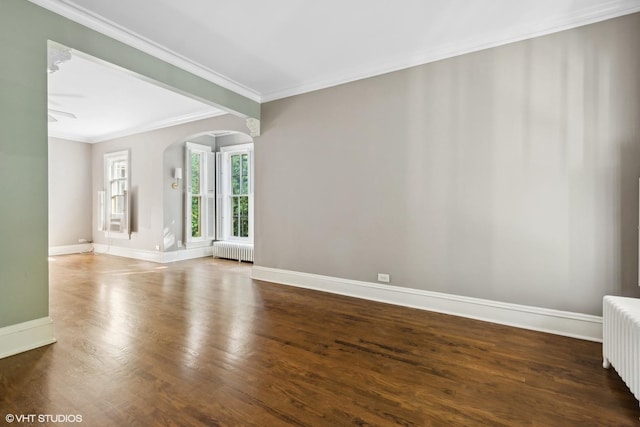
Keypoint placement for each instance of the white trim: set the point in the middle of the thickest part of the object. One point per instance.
(70, 136)
(26, 336)
(190, 253)
(69, 249)
(165, 123)
(147, 127)
(237, 147)
(124, 218)
(601, 12)
(154, 256)
(225, 178)
(204, 194)
(140, 254)
(575, 325)
(109, 28)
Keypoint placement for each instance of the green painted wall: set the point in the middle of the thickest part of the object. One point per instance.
(24, 31)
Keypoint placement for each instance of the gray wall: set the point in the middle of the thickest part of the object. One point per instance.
(69, 192)
(151, 179)
(173, 199)
(509, 174)
(173, 157)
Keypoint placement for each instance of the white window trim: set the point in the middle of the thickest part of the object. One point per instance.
(105, 196)
(225, 213)
(207, 236)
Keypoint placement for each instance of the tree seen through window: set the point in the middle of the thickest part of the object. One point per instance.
(240, 195)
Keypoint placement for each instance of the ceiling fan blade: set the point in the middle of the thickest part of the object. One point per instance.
(51, 119)
(62, 113)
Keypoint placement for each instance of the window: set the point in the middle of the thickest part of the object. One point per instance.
(239, 195)
(219, 194)
(196, 193)
(114, 200)
(237, 192)
(200, 194)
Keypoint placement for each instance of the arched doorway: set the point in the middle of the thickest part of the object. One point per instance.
(208, 196)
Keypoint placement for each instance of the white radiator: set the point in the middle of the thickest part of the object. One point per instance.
(621, 339)
(233, 250)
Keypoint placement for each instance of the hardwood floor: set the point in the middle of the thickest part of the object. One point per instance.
(199, 343)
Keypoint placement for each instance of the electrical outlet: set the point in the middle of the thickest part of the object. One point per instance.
(179, 243)
(382, 277)
(84, 241)
(157, 247)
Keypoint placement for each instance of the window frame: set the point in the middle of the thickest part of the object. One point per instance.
(226, 215)
(206, 194)
(106, 197)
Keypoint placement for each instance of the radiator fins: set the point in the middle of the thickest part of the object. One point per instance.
(233, 250)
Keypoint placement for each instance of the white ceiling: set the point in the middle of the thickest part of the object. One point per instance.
(267, 50)
(109, 102)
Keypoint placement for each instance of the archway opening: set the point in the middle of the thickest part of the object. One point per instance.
(208, 194)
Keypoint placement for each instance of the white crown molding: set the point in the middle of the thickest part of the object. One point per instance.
(69, 136)
(109, 28)
(603, 11)
(160, 124)
(26, 336)
(575, 325)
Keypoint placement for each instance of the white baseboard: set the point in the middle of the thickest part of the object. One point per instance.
(26, 336)
(69, 249)
(154, 256)
(187, 253)
(575, 325)
(141, 254)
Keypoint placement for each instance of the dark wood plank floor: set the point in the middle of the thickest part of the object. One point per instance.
(200, 343)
